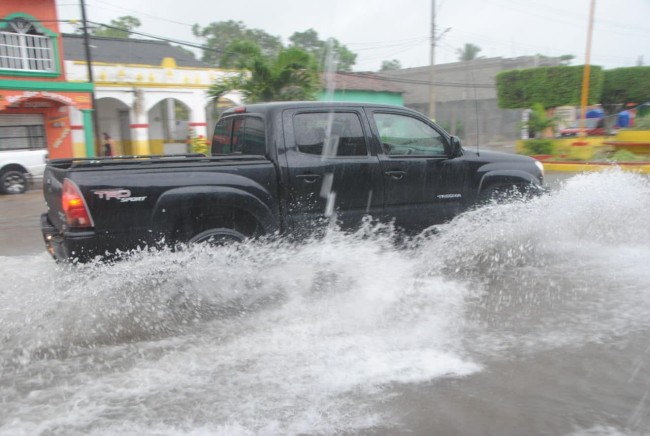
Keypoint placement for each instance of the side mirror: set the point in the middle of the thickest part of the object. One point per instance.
(456, 149)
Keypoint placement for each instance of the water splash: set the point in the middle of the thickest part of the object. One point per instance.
(313, 337)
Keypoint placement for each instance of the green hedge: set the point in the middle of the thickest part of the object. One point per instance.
(550, 86)
(626, 85)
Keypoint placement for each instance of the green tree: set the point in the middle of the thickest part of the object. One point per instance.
(240, 54)
(118, 28)
(308, 41)
(291, 75)
(391, 65)
(468, 53)
(321, 49)
(218, 36)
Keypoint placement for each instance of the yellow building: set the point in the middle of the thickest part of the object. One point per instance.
(150, 96)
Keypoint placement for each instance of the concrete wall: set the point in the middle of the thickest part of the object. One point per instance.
(465, 89)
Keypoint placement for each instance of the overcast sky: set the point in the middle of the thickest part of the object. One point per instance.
(379, 30)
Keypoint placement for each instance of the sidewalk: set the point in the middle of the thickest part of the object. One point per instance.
(20, 223)
(579, 167)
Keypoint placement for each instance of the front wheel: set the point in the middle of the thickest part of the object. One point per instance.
(218, 237)
(13, 182)
(499, 194)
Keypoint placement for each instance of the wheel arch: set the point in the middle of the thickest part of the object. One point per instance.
(514, 178)
(13, 166)
(180, 213)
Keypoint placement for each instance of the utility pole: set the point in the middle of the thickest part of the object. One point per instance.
(432, 74)
(92, 137)
(586, 73)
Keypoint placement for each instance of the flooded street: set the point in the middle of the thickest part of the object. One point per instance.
(526, 318)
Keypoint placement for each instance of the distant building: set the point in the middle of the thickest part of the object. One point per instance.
(150, 95)
(466, 96)
(36, 99)
(361, 87)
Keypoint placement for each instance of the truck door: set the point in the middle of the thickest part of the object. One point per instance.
(330, 171)
(423, 185)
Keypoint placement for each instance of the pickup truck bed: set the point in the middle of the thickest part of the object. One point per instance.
(156, 208)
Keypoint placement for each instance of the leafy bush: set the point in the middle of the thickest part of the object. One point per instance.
(533, 147)
(198, 144)
(626, 156)
(538, 121)
(642, 123)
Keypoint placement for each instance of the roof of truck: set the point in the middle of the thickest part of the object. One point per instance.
(281, 105)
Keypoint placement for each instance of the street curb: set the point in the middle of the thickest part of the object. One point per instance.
(577, 167)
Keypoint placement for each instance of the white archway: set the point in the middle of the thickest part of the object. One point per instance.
(169, 126)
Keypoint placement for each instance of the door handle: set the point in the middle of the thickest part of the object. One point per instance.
(396, 174)
(308, 178)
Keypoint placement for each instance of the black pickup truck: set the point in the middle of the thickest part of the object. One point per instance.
(276, 168)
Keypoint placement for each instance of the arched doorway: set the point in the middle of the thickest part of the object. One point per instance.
(169, 127)
(113, 117)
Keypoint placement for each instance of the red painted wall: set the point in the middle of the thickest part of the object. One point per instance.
(58, 134)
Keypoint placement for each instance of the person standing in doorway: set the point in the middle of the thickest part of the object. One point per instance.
(108, 147)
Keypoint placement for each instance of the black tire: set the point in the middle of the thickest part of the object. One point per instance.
(13, 182)
(217, 237)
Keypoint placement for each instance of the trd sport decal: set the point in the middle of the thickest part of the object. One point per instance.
(121, 195)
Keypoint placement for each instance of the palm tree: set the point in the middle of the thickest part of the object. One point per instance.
(539, 121)
(292, 75)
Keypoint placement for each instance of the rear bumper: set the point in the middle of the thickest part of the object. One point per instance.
(67, 246)
(84, 246)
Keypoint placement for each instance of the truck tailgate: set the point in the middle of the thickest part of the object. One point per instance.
(52, 191)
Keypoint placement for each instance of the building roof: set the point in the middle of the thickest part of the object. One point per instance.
(361, 82)
(127, 51)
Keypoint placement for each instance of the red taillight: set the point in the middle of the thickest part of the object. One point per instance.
(74, 206)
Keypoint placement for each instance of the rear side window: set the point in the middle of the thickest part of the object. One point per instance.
(239, 135)
(329, 134)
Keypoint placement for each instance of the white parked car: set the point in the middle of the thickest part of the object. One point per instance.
(20, 168)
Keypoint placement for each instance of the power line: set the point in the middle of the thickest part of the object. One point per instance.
(161, 38)
(375, 76)
(145, 14)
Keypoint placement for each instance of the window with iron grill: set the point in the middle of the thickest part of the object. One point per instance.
(22, 137)
(24, 48)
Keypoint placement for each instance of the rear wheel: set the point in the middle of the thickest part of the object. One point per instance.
(13, 182)
(217, 237)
